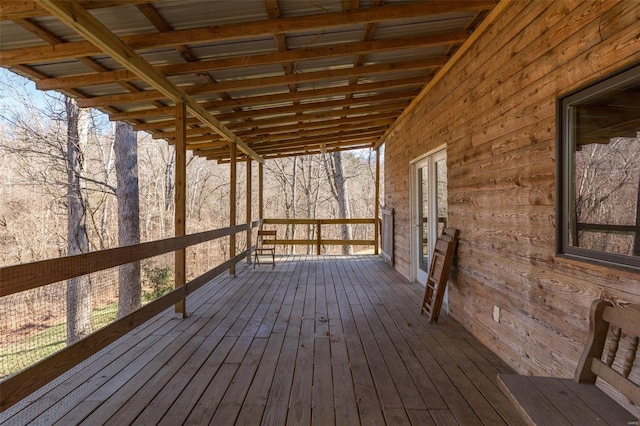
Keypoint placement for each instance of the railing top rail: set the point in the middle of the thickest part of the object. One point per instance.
(17, 278)
(319, 221)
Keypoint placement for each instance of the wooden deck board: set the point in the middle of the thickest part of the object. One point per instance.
(315, 341)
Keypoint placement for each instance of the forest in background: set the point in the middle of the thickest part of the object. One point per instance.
(61, 194)
(33, 193)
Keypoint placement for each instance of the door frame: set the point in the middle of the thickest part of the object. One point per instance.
(429, 159)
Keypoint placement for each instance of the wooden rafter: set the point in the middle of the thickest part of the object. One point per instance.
(14, 10)
(254, 131)
(265, 82)
(482, 27)
(77, 18)
(387, 101)
(281, 97)
(303, 81)
(53, 39)
(248, 29)
(301, 54)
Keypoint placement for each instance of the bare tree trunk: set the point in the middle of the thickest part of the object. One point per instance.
(342, 197)
(168, 196)
(129, 288)
(78, 289)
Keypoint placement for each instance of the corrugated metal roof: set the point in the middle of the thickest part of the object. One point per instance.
(256, 64)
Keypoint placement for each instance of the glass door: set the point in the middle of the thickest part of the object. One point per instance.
(429, 215)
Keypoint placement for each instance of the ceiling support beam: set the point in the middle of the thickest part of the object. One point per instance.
(243, 30)
(81, 21)
(233, 174)
(248, 200)
(378, 86)
(180, 216)
(376, 211)
(485, 25)
(294, 55)
(262, 82)
(385, 102)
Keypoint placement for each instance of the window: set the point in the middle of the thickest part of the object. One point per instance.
(599, 171)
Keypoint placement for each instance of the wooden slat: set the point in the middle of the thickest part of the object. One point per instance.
(551, 400)
(484, 26)
(532, 402)
(306, 53)
(259, 82)
(17, 387)
(629, 320)
(14, 279)
(377, 104)
(12, 10)
(282, 97)
(352, 221)
(247, 29)
(76, 17)
(318, 340)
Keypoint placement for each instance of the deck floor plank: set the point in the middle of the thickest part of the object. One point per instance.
(317, 340)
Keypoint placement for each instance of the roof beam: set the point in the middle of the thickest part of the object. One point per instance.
(380, 125)
(302, 151)
(386, 100)
(13, 10)
(262, 82)
(257, 129)
(81, 21)
(301, 144)
(302, 54)
(281, 97)
(484, 26)
(248, 29)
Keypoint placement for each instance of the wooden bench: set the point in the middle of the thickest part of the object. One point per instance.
(578, 401)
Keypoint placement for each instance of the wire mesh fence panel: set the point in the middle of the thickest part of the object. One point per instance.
(41, 321)
(157, 277)
(44, 320)
(33, 325)
(203, 257)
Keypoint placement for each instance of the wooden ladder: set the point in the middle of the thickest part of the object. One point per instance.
(439, 269)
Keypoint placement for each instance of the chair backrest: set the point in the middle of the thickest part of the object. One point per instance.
(622, 325)
(267, 237)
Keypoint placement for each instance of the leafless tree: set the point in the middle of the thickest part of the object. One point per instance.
(78, 289)
(129, 287)
(337, 183)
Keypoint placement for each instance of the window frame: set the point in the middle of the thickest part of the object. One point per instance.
(565, 171)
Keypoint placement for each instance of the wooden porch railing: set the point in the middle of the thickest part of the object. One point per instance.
(319, 241)
(20, 278)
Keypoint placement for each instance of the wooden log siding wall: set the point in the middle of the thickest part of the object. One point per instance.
(495, 111)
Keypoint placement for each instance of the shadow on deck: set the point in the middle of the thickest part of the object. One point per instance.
(317, 340)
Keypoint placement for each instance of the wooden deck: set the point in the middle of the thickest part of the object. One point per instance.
(318, 340)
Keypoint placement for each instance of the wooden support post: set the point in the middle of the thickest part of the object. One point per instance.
(232, 204)
(248, 198)
(319, 235)
(376, 213)
(260, 192)
(180, 200)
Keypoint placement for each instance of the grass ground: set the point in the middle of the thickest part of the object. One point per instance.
(17, 356)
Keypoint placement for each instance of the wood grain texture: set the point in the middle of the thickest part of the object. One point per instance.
(495, 112)
(317, 340)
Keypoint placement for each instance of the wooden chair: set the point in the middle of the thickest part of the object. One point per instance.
(265, 245)
(439, 269)
(578, 401)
